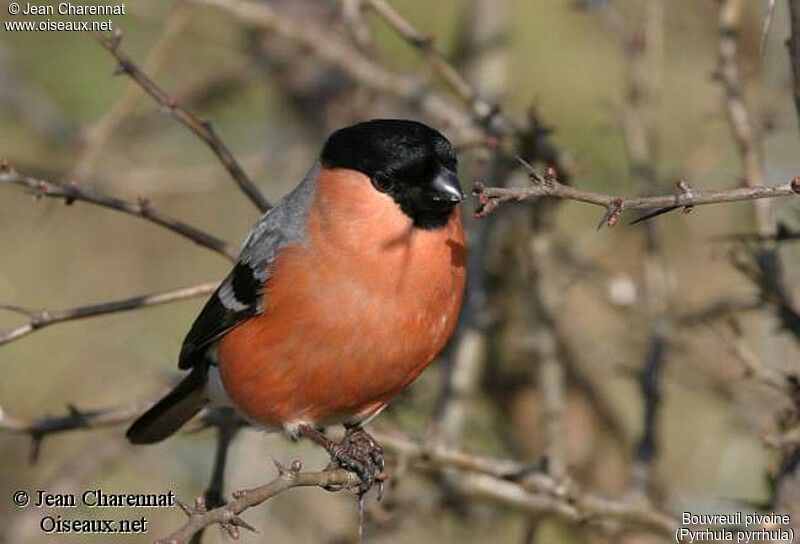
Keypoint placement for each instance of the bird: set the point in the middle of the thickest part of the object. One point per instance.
(342, 294)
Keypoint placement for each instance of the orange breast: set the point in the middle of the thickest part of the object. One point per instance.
(352, 316)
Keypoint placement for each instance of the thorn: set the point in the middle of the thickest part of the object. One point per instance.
(280, 466)
(5, 166)
(239, 522)
(525, 164)
(72, 196)
(185, 507)
(653, 214)
(36, 447)
(200, 503)
(423, 40)
(73, 410)
(172, 103)
(119, 69)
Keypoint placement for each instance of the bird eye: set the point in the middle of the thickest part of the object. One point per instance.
(382, 182)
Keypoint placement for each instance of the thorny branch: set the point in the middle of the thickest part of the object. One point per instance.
(227, 516)
(98, 135)
(491, 197)
(227, 425)
(75, 418)
(485, 112)
(352, 62)
(501, 480)
(38, 319)
(497, 479)
(72, 192)
(202, 128)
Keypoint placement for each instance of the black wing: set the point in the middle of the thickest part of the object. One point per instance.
(236, 299)
(240, 295)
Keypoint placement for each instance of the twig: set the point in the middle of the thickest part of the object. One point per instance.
(202, 128)
(463, 368)
(228, 516)
(490, 197)
(486, 112)
(644, 50)
(741, 122)
(99, 134)
(227, 424)
(752, 366)
(75, 418)
(72, 192)
(352, 62)
(43, 318)
(541, 491)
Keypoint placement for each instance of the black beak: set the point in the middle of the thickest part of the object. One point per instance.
(447, 188)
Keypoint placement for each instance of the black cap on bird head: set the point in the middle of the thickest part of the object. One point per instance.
(411, 162)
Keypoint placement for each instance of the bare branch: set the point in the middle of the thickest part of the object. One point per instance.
(228, 515)
(485, 111)
(44, 426)
(521, 484)
(227, 424)
(202, 128)
(98, 135)
(490, 197)
(352, 62)
(43, 318)
(72, 192)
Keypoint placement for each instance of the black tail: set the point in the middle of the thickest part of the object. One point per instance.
(170, 413)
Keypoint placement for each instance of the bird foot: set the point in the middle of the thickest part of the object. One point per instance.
(360, 453)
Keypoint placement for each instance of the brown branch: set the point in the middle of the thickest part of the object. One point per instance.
(43, 318)
(485, 111)
(71, 192)
(743, 129)
(227, 516)
(511, 481)
(99, 134)
(202, 128)
(227, 424)
(75, 419)
(490, 197)
(352, 62)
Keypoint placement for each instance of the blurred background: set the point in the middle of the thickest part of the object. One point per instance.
(650, 361)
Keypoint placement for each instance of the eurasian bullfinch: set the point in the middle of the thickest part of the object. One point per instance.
(343, 293)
